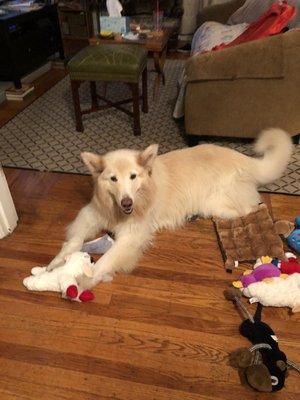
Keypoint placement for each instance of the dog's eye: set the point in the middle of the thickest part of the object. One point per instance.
(114, 178)
(132, 176)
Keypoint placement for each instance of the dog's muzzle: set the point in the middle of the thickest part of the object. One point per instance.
(127, 205)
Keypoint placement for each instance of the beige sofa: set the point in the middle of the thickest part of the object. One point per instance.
(240, 90)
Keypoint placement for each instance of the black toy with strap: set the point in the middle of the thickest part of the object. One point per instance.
(263, 366)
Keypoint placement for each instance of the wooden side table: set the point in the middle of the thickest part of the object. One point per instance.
(156, 46)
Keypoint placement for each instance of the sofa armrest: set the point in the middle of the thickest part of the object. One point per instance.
(219, 12)
(258, 59)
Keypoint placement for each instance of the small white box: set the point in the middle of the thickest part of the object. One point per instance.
(8, 214)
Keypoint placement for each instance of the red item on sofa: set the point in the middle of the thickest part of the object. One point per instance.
(271, 22)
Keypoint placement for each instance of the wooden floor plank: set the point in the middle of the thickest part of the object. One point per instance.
(87, 386)
(162, 332)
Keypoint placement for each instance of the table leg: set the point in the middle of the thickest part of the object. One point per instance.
(145, 91)
(159, 59)
(94, 95)
(104, 89)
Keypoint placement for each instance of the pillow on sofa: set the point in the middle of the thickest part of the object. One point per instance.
(295, 22)
(250, 11)
(211, 34)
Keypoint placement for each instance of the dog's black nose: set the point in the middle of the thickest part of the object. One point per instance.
(126, 202)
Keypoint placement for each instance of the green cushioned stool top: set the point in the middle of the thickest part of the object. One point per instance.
(109, 62)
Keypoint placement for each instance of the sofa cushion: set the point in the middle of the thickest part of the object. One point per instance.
(295, 22)
(259, 59)
(250, 11)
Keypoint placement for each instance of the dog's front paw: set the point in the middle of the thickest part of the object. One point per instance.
(38, 270)
(107, 278)
(51, 267)
(28, 282)
(58, 261)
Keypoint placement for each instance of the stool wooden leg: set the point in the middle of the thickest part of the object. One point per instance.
(76, 101)
(94, 95)
(145, 91)
(136, 108)
(104, 89)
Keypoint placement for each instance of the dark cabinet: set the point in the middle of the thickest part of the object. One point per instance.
(76, 22)
(27, 39)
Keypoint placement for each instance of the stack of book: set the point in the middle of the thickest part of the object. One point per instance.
(19, 94)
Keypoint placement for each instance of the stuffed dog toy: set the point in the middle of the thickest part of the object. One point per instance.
(63, 279)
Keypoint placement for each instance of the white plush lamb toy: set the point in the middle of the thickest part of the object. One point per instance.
(63, 279)
(280, 292)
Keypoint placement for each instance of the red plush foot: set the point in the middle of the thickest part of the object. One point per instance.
(72, 292)
(86, 295)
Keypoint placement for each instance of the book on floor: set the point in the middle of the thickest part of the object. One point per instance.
(19, 94)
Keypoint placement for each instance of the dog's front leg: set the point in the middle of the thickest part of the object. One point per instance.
(86, 225)
(121, 257)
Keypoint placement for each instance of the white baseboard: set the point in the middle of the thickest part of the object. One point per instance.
(37, 73)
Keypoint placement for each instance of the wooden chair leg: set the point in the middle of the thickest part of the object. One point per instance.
(145, 90)
(136, 108)
(94, 95)
(76, 101)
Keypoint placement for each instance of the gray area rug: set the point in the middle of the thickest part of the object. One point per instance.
(43, 136)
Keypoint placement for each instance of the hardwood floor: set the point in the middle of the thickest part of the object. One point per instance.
(161, 333)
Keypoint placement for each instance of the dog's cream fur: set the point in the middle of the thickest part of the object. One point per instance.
(207, 180)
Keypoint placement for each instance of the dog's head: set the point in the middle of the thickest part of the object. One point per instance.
(123, 174)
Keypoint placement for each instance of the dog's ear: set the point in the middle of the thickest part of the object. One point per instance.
(146, 158)
(94, 162)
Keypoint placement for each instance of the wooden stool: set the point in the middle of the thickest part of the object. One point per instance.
(110, 63)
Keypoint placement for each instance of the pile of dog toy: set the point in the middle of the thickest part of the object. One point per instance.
(275, 282)
(272, 282)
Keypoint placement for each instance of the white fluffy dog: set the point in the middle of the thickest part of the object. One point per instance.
(138, 192)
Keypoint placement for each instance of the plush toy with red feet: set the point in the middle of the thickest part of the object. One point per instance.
(73, 294)
(64, 279)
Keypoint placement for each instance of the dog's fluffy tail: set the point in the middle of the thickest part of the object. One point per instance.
(277, 147)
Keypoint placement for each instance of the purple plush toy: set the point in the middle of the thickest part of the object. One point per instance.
(260, 273)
